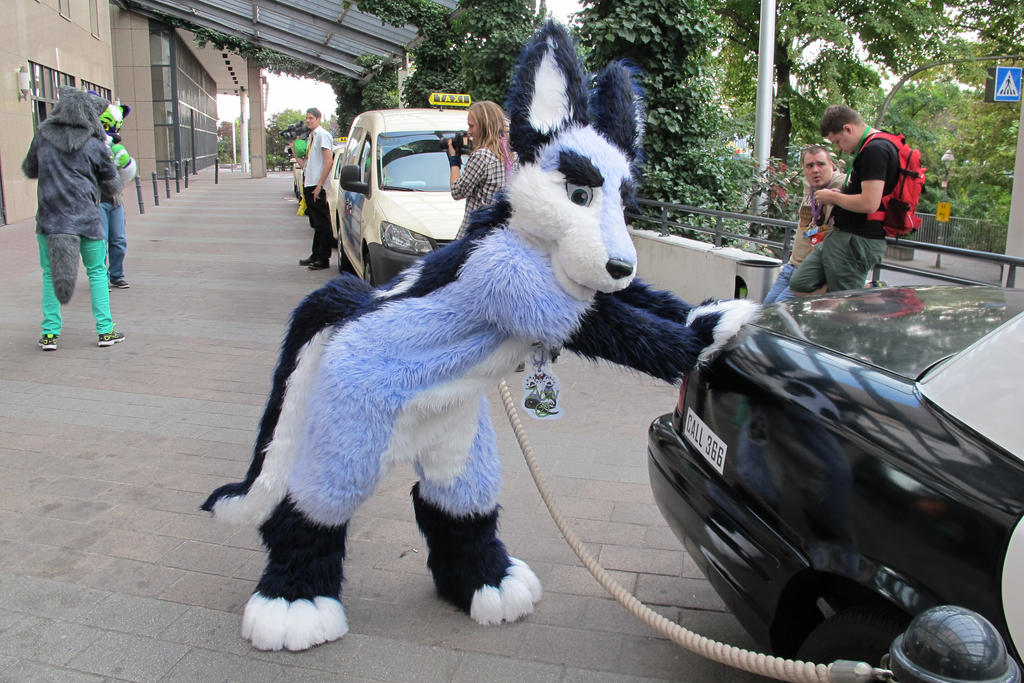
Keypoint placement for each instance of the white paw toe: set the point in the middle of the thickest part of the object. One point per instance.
(303, 628)
(486, 606)
(332, 616)
(263, 622)
(513, 599)
(274, 624)
(522, 571)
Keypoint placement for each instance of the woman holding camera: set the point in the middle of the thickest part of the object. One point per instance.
(489, 165)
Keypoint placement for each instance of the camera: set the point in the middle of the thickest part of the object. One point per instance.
(460, 142)
(295, 131)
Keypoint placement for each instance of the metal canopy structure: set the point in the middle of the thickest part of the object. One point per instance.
(331, 34)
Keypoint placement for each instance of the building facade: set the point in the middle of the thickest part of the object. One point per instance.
(124, 57)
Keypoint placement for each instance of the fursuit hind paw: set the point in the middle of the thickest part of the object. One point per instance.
(471, 568)
(510, 600)
(276, 623)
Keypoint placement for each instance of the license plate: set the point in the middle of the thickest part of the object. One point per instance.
(705, 441)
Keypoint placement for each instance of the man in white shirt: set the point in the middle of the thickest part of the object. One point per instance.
(315, 169)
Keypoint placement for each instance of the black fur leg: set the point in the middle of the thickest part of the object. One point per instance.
(305, 559)
(464, 552)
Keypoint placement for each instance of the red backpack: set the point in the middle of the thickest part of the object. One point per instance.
(898, 209)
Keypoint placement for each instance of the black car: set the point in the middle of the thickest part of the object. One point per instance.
(853, 460)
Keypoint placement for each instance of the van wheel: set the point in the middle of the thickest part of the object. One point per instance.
(367, 268)
(861, 633)
(344, 265)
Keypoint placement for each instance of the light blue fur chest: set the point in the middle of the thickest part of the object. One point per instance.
(406, 382)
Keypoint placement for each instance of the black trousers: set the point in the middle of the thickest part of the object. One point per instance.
(320, 220)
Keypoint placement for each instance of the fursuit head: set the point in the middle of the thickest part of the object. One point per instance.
(370, 378)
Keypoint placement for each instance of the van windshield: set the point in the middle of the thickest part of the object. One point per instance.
(413, 161)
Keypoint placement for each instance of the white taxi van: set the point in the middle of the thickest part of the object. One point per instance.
(394, 203)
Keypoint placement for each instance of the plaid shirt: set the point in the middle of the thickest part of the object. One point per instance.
(478, 182)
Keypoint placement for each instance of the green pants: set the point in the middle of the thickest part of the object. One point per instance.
(842, 261)
(94, 257)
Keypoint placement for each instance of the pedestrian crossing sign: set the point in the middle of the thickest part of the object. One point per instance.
(1007, 84)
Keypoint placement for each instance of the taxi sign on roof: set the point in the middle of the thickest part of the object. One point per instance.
(447, 99)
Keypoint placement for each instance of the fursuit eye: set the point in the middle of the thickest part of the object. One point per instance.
(581, 195)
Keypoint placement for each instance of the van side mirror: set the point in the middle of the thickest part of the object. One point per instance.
(350, 180)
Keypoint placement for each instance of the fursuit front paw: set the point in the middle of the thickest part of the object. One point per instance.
(512, 599)
(276, 623)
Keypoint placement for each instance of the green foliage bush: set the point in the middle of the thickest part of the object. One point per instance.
(671, 42)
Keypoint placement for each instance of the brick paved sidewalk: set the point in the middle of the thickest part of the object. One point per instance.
(108, 570)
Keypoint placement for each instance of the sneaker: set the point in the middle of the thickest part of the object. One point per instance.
(306, 261)
(119, 284)
(48, 342)
(110, 338)
(319, 265)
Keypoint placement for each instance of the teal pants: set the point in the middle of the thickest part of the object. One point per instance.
(94, 257)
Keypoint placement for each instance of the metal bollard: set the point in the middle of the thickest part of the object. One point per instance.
(138, 191)
(186, 174)
(177, 176)
(156, 191)
(167, 181)
(216, 171)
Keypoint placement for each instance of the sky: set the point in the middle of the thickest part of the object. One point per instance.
(290, 92)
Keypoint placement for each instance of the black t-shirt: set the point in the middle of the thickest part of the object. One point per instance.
(878, 160)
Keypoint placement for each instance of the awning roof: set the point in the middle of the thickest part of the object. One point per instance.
(328, 33)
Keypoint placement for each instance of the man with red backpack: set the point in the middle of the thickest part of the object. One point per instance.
(844, 260)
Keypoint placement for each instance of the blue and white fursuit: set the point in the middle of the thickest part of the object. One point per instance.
(369, 378)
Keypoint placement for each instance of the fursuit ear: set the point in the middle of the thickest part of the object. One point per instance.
(617, 108)
(547, 93)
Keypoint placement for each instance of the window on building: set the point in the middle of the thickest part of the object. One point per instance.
(105, 93)
(44, 84)
(161, 76)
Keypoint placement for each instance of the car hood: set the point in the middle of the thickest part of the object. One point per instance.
(903, 330)
(434, 214)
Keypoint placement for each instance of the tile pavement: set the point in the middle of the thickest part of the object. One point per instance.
(108, 570)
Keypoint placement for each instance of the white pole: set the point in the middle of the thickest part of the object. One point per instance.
(766, 66)
(234, 145)
(763, 106)
(244, 108)
(1015, 233)
(765, 70)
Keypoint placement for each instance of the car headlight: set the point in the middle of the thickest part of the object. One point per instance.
(397, 238)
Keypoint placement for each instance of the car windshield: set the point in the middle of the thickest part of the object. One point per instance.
(981, 385)
(413, 161)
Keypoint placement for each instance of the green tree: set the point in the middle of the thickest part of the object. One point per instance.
(945, 110)
(381, 91)
(226, 152)
(490, 35)
(435, 57)
(827, 52)
(276, 154)
(671, 41)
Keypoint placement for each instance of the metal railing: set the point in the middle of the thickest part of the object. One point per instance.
(723, 226)
(775, 237)
(966, 233)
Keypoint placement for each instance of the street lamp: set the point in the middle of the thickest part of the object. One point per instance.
(947, 161)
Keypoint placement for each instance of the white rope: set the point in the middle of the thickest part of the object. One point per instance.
(754, 662)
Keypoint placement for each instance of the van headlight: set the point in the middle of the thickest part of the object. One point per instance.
(397, 238)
